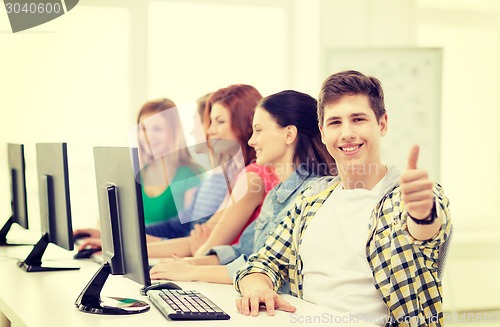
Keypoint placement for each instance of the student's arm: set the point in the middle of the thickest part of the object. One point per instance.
(182, 246)
(266, 270)
(151, 238)
(236, 215)
(182, 270)
(208, 260)
(167, 248)
(91, 232)
(199, 235)
(417, 193)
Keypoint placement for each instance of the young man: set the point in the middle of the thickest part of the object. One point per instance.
(367, 244)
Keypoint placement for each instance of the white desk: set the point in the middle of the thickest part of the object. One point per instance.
(47, 298)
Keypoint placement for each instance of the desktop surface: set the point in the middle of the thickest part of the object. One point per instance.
(21, 236)
(47, 298)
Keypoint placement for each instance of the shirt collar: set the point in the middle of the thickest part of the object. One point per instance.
(285, 189)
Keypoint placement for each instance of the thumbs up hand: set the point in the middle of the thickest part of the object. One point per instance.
(416, 188)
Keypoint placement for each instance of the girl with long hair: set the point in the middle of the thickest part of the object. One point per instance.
(285, 137)
(229, 114)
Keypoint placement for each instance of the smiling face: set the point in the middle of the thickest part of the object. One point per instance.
(269, 139)
(156, 135)
(221, 136)
(352, 134)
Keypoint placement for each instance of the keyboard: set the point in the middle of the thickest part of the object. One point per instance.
(185, 305)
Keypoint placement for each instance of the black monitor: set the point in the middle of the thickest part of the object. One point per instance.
(55, 211)
(18, 199)
(123, 235)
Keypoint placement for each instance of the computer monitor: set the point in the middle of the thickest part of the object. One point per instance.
(123, 235)
(18, 199)
(55, 211)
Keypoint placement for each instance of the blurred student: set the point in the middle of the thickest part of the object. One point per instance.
(229, 112)
(286, 137)
(208, 197)
(368, 244)
(169, 175)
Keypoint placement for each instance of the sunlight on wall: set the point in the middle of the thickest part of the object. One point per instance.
(63, 82)
(469, 147)
(197, 48)
(470, 156)
(70, 81)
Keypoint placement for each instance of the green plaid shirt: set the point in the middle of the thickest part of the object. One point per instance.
(404, 269)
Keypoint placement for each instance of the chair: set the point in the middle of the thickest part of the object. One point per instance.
(443, 252)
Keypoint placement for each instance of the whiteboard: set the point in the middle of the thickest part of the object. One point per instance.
(411, 79)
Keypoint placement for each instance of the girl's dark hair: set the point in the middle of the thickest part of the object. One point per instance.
(299, 109)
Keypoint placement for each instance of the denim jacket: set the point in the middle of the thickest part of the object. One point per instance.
(274, 210)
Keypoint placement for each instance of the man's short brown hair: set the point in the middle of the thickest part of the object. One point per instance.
(351, 82)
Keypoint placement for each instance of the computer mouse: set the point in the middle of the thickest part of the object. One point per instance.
(86, 253)
(160, 286)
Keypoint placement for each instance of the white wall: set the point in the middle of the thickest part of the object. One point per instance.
(63, 82)
(470, 156)
(471, 102)
(82, 78)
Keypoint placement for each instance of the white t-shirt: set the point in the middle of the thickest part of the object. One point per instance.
(335, 268)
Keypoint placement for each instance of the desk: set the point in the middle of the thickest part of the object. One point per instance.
(47, 298)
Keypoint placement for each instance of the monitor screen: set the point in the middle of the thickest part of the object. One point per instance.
(55, 211)
(18, 199)
(53, 191)
(123, 235)
(121, 213)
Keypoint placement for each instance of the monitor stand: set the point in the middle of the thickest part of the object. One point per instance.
(5, 230)
(33, 262)
(90, 300)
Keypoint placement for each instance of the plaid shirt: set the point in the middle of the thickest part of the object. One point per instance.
(404, 269)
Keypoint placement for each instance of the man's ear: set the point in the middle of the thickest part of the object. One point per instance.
(383, 124)
(322, 133)
(291, 134)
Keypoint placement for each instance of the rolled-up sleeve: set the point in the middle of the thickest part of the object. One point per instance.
(235, 265)
(271, 260)
(225, 253)
(274, 258)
